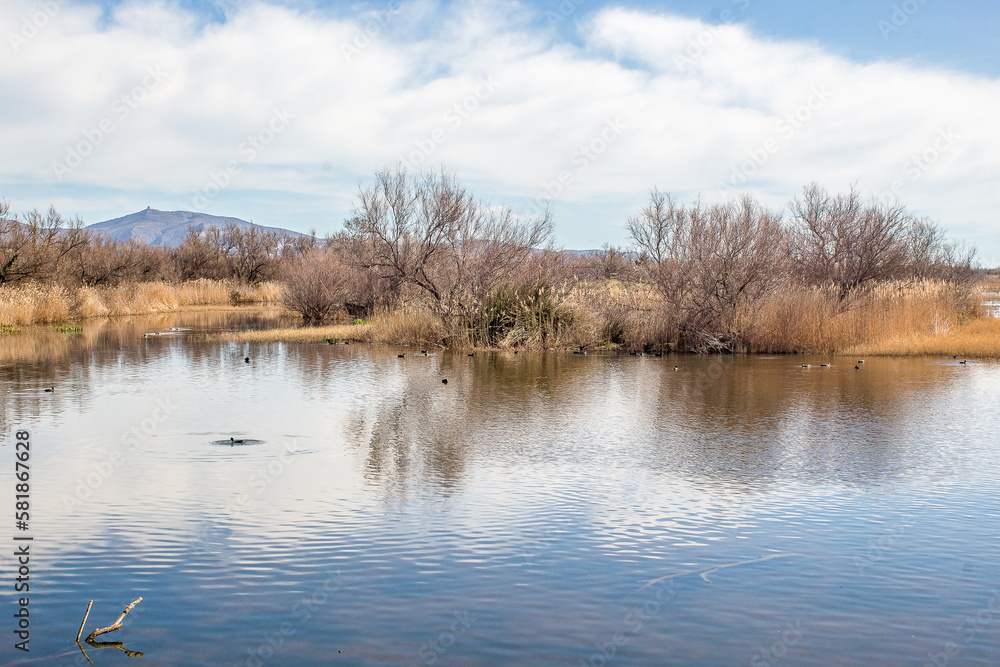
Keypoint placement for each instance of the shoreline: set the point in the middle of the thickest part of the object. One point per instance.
(907, 323)
(977, 339)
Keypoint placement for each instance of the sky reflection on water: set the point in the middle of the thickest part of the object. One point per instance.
(514, 515)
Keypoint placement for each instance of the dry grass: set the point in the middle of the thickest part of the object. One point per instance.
(928, 318)
(52, 304)
(977, 339)
(402, 327)
(990, 283)
(891, 318)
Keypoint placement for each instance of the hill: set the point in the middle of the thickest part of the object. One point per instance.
(168, 228)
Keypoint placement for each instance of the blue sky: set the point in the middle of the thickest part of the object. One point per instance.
(275, 112)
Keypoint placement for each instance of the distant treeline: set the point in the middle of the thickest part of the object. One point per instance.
(36, 247)
(696, 277)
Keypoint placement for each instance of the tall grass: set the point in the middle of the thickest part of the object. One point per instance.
(47, 303)
(400, 327)
(810, 319)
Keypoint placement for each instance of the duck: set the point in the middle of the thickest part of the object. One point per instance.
(856, 367)
(472, 354)
(234, 441)
(246, 359)
(861, 361)
(50, 389)
(423, 352)
(676, 368)
(824, 365)
(400, 356)
(444, 381)
(964, 362)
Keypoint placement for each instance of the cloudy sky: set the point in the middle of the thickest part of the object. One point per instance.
(276, 111)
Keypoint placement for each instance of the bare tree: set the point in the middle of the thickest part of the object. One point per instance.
(931, 256)
(102, 261)
(33, 248)
(428, 231)
(200, 255)
(709, 264)
(253, 253)
(843, 241)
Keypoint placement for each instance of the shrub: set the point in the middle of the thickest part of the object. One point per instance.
(319, 283)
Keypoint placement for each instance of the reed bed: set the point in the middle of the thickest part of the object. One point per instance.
(894, 318)
(401, 327)
(47, 303)
(814, 320)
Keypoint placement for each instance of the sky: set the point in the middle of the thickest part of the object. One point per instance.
(277, 112)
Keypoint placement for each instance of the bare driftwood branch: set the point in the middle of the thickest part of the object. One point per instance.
(84, 621)
(114, 626)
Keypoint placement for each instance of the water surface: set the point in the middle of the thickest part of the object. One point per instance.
(539, 508)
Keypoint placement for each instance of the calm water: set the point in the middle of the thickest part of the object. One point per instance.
(537, 509)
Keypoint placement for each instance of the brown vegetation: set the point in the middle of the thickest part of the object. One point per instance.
(50, 303)
(422, 261)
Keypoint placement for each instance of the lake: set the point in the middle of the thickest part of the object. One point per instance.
(539, 508)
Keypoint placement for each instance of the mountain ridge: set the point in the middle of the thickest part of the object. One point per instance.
(168, 228)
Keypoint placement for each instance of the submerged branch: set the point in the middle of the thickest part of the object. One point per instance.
(114, 626)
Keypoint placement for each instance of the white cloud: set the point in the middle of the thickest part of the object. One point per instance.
(372, 89)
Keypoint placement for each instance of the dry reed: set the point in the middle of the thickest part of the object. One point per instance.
(414, 327)
(38, 303)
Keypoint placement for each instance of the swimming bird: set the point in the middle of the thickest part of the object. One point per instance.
(234, 441)
(861, 361)
(805, 365)
(824, 365)
(444, 381)
(400, 356)
(50, 389)
(247, 359)
(964, 362)
(676, 369)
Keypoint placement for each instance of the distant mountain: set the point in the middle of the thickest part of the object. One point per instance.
(168, 228)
